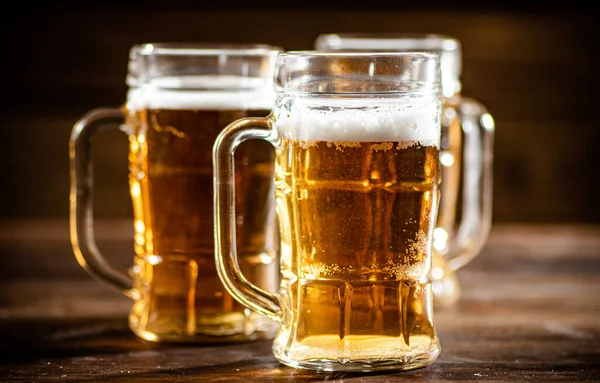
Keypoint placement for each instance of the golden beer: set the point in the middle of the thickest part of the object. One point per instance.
(171, 174)
(359, 216)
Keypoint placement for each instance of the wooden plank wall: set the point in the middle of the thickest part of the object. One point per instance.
(533, 70)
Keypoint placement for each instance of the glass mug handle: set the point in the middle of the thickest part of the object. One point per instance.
(81, 200)
(476, 215)
(224, 207)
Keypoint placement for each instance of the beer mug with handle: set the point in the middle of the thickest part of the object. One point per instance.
(356, 179)
(180, 98)
(465, 212)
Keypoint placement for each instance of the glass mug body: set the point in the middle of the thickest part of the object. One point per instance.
(180, 98)
(357, 172)
(465, 212)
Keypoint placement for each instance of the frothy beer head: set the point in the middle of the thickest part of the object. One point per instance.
(203, 93)
(366, 120)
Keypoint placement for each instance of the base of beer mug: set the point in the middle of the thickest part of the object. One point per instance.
(178, 303)
(257, 327)
(444, 283)
(201, 338)
(411, 362)
(356, 325)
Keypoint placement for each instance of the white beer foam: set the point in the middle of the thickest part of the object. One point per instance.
(370, 120)
(202, 93)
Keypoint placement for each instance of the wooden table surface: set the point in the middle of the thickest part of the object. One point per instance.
(530, 311)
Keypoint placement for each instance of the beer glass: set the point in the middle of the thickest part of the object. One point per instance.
(180, 98)
(465, 211)
(356, 181)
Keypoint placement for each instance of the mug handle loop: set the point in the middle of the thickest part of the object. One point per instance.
(224, 208)
(81, 219)
(476, 215)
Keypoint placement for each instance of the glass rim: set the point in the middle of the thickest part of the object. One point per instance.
(410, 40)
(205, 49)
(293, 73)
(355, 54)
(379, 95)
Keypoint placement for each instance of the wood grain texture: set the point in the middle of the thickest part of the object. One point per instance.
(530, 312)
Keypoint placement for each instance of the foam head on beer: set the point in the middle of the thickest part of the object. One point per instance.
(366, 120)
(359, 97)
(202, 92)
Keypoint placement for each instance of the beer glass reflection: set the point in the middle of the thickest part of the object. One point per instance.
(465, 211)
(356, 175)
(180, 98)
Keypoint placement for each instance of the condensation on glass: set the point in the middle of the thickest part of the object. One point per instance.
(180, 97)
(357, 169)
(465, 212)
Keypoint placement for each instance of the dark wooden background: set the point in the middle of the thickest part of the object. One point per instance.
(531, 63)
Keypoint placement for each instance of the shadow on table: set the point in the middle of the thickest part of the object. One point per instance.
(29, 340)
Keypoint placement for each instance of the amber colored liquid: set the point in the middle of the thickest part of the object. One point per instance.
(181, 296)
(356, 221)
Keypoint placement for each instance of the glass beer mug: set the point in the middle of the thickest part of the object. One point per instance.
(356, 181)
(180, 98)
(465, 212)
